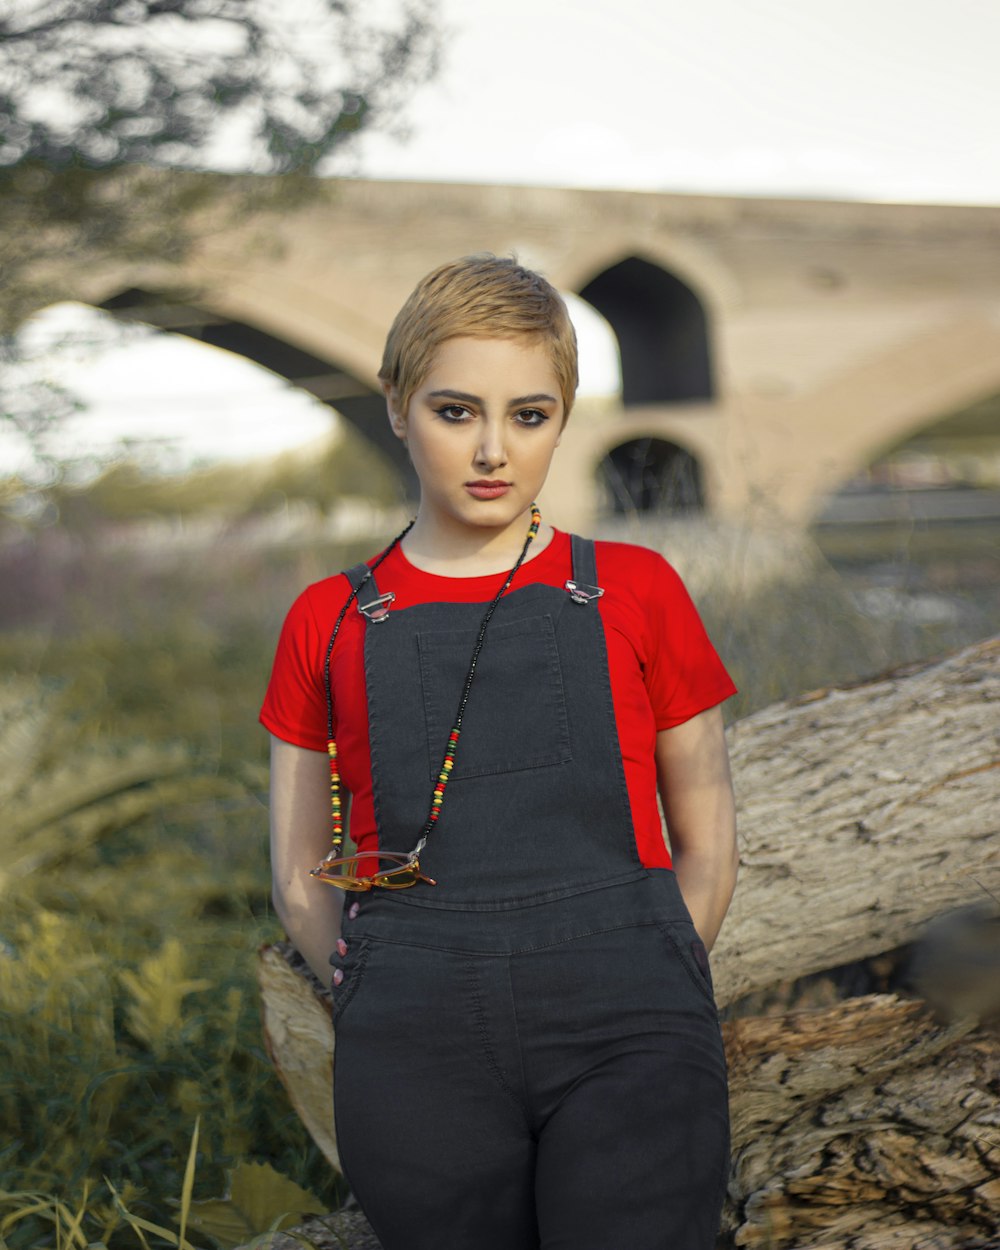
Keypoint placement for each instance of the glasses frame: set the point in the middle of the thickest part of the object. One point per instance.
(406, 869)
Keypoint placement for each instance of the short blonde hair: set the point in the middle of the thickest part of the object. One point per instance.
(481, 296)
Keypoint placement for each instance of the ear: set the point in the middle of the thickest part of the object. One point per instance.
(397, 419)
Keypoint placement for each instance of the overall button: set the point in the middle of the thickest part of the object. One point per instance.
(353, 910)
(338, 976)
(341, 947)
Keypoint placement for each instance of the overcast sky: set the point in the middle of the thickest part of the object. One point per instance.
(870, 99)
(873, 99)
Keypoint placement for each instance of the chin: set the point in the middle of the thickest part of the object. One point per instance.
(493, 513)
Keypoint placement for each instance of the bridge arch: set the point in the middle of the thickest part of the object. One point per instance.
(353, 399)
(946, 468)
(651, 474)
(861, 416)
(662, 329)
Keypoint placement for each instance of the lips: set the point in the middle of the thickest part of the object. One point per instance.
(485, 488)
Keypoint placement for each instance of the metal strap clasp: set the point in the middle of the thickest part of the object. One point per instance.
(579, 592)
(378, 609)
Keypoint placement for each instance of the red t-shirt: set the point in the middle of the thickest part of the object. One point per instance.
(662, 666)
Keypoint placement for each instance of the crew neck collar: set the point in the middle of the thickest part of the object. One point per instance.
(553, 547)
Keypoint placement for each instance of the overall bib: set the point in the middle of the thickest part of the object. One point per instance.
(528, 1053)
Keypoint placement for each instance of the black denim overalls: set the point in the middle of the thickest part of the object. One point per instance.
(528, 1053)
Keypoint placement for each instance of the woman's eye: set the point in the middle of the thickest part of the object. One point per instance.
(532, 416)
(453, 412)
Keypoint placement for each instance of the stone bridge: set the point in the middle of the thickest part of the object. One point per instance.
(769, 348)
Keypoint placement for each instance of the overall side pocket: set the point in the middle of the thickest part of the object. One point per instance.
(691, 951)
(353, 966)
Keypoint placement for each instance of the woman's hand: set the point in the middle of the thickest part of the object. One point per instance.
(692, 765)
(300, 837)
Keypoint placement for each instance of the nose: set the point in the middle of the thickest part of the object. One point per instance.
(491, 453)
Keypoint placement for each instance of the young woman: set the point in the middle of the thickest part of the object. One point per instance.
(528, 1052)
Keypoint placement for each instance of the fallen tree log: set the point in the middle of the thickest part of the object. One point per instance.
(866, 812)
(872, 1125)
(298, 1033)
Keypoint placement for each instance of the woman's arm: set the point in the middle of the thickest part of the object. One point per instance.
(692, 766)
(300, 837)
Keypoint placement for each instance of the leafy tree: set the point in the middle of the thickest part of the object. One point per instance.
(119, 82)
(99, 98)
(121, 121)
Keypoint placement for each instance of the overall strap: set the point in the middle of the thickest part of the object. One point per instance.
(357, 574)
(371, 604)
(583, 586)
(584, 560)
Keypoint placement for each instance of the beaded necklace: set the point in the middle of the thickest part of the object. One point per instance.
(451, 749)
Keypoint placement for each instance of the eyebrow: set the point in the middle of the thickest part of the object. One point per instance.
(465, 397)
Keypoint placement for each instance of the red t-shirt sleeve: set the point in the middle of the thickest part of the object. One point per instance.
(683, 672)
(295, 704)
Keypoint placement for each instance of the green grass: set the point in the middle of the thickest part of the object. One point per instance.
(128, 1004)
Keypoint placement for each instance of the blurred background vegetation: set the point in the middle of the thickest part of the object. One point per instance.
(135, 884)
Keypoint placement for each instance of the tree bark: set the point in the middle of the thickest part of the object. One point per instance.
(864, 811)
(869, 1126)
(298, 1034)
(872, 1123)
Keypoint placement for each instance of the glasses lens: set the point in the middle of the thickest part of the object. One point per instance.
(390, 870)
(398, 879)
(336, 872)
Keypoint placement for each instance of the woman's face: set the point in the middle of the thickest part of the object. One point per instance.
(481, 429)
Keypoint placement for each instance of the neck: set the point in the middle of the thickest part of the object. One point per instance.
(437, 546)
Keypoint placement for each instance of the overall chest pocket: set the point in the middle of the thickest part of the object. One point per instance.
(516, 715)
